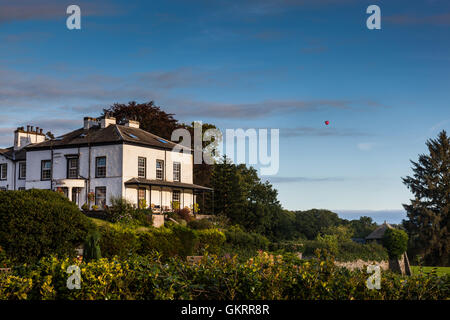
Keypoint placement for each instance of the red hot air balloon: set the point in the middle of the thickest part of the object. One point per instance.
(327, 122)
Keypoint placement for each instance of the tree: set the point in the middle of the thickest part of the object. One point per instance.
(311, 222)
(428, 213)
(396, 242)
(362, 227)
(151, 118)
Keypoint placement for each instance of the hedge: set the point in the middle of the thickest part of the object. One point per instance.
(118, 240)
(36, 223)
(262, 277)
(348, 250)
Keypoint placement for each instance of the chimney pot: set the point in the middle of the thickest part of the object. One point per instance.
(28, 128)
(40, 130)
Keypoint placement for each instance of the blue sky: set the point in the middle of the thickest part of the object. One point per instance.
(288, 64)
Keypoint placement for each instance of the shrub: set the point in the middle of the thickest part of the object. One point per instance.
(210, 240)
(200, 224)
(35, 223)
(122, 210)
(264, 276)
(185, 214)
(119, 210)
(347, 250)
(160, 240)
(396, 242)
(92, 247)
(238, 238)
(351, 251)
(118, 240)
(187, 239)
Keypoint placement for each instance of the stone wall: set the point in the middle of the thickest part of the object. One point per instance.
(360, 264)
(399, 266)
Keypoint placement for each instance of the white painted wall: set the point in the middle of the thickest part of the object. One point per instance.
(121, 166)
(9, 182)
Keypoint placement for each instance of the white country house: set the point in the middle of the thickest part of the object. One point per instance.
(100, 160)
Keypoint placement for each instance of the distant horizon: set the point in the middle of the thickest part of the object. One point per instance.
(378, 216)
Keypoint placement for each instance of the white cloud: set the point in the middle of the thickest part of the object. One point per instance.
(365, 146)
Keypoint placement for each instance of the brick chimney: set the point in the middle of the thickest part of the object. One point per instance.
(107, 120)
(24, 137)
(132, 123)
(89, 122)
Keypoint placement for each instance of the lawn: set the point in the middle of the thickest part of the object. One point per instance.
(439, 270)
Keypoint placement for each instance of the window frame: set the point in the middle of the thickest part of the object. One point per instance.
(139, 196)
(97, 198)
(4, 165)
(69, 159)
(42, 170)
(144, 167)
(97, 167)
(179, 196)
(179, 171)
(160, 170)
(22, 164)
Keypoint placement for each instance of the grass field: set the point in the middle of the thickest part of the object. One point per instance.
(439, 270)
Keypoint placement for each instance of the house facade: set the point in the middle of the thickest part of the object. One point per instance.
(101, 160)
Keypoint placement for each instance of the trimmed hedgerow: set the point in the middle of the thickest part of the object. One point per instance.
(36, 223)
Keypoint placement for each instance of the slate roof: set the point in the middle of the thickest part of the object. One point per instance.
(13, 155)
(378, 233)
(162, 183)
(112, 134)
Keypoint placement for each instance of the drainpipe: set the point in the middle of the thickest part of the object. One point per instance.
(51, 161)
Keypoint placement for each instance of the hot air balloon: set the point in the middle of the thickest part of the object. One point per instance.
(327, 122)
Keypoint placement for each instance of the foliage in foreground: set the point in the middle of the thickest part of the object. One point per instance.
(262, 277)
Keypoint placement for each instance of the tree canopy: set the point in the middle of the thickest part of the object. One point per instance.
(428, 223)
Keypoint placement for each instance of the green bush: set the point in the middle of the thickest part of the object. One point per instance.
(92, 247)
(36, 223)
(262, 277)
(210, 240)
(200, 224)
(122, 210)
(238, 238)
(396, 242)
(122, 241)
(347, 250)
(351, 251)
(118, 240)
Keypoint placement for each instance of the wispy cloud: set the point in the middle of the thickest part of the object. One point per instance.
(50, 9)
(442, 19)
(320, 132)
(365, 146)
